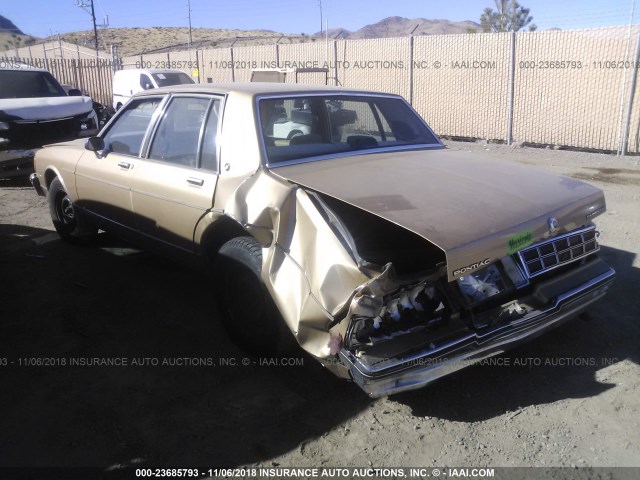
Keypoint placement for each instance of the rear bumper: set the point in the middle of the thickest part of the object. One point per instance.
(16, 163)
(397, 375)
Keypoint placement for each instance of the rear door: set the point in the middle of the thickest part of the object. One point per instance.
(173, 187)
(103, 179)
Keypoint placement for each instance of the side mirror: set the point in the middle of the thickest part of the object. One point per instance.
(94, 144)
(148, 86)
(74, 92)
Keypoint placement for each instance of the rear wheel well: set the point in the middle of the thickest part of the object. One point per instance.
(219, 233)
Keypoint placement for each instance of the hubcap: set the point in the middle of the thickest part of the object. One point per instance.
(66, 210)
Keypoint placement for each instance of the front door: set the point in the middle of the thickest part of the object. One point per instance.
(103, 179)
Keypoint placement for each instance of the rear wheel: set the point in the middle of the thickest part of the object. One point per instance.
(249, 313)
(65, 217)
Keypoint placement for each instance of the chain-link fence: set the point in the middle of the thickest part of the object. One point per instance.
(567, 88)
(459, 77)
(582, 103)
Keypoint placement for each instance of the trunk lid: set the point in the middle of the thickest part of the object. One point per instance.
(475, 209)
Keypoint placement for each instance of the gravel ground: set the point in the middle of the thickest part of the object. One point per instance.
(567, 398)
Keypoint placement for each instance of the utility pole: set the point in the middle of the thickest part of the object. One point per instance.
(95, 28)
(321, 25)
(86, 6)
(189, 7)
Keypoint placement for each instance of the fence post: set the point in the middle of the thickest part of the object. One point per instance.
(632, 90)
(411, 69)
(202, 67)
(197, 66)
(114, 58)
(233, 70)
(336, 82)
(512, 75)
(98, 67)
(80, 72)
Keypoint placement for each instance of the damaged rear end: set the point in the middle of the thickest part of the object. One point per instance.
(403, 334)
(444, 258)
(441, 296)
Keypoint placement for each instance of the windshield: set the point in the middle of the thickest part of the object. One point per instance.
(303, 127)
(29, 84)
(171, 78)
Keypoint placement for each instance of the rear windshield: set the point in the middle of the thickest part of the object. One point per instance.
(171, 78)
(304, 127)
(28, 84)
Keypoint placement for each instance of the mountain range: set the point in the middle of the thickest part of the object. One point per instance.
(131, 41)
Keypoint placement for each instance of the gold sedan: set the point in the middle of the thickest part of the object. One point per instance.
(337, 218)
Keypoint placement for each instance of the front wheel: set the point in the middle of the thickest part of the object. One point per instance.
(248, 311)
(65, 217)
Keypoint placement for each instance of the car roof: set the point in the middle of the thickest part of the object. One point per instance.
(257, 89)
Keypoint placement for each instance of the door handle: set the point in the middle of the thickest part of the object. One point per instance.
(195, 181)
(124, 165)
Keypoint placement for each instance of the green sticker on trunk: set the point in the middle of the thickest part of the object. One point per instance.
(519, 241)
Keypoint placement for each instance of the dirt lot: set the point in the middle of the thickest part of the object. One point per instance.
(568, 398)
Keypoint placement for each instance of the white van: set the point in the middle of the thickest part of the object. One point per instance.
(128, 82)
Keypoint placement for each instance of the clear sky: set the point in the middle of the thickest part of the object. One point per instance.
(42, 17)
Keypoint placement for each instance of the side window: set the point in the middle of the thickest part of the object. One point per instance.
(145, 82)
(126, 134)
(177, 137)
(209, 155)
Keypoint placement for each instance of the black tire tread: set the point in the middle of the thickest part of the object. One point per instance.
(283, 342)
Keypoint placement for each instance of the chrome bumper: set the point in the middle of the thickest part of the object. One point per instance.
(35, 181)
(398, 375)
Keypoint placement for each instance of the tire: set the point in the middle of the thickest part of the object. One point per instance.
(64, 216)
(248, 311)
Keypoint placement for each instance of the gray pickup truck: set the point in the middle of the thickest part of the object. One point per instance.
(34, 111)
